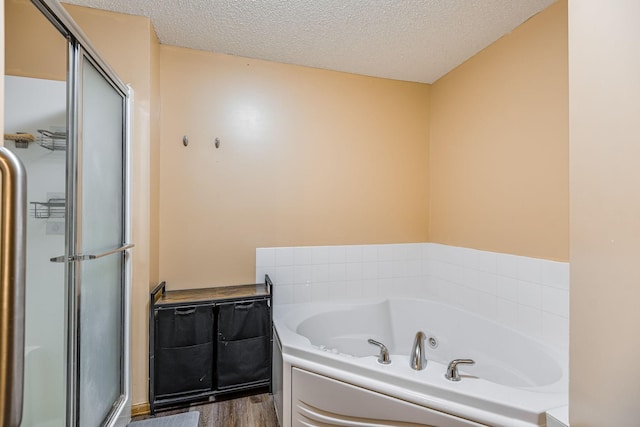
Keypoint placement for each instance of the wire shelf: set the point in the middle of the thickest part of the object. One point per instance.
(52, 140)
(52, 208)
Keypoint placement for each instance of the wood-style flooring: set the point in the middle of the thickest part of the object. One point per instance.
(249, 411)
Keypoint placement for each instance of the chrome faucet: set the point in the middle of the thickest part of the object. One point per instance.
(417, 358)
(384, 352)
(452, 370)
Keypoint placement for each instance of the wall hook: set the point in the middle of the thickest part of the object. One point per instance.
(185, 140)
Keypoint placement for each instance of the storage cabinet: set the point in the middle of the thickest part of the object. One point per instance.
(204, 342)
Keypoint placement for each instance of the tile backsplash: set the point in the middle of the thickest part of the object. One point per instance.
(528, 294)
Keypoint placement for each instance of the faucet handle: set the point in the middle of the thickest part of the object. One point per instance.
(384, 352)
(452, 369)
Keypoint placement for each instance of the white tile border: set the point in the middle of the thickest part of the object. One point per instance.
(528, 294)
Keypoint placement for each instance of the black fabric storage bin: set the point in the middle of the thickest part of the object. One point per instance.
(184, 326)
(243, 361)
(241, 320)
(184, 369)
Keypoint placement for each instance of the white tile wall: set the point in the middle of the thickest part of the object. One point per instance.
(528, 294)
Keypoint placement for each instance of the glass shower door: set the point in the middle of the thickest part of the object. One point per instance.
(100, 273)
(78, 341)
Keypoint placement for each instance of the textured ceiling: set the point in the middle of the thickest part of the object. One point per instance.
(414, 40)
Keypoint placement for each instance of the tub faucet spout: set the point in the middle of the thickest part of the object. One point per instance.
(417, 358)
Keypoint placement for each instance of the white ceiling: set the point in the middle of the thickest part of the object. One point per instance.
(414, 40)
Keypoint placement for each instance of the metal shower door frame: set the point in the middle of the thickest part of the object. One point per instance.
(80, 50)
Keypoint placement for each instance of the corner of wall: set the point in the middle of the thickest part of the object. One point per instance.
(154, 190)
(427, 237)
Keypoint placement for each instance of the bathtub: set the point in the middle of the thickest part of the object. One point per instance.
(326, 373)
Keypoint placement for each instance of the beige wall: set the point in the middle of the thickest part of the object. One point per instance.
(34, 48)
(604, 64)
(307, 157)
(154, 162)
(499, 145)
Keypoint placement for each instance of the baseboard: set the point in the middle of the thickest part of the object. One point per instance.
(140, 409)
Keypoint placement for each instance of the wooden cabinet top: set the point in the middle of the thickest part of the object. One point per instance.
(184, 296)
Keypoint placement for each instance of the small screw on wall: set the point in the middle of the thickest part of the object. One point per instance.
(185, 140)
(217, 142)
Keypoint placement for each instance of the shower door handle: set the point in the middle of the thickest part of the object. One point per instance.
(63, 258)
(12, 287)
(103, 254)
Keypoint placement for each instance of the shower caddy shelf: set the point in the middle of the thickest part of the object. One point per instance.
(52, 140)
(52, 208)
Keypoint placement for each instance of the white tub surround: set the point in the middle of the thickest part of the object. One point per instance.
(558, 417)
(330, 374)
(528, 294)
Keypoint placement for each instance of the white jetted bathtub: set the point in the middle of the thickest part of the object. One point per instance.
(327, 374)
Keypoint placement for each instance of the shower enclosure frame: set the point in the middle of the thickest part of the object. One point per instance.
(80, 53)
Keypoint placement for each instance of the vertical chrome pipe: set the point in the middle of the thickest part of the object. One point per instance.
(12, 287)
(418, 358)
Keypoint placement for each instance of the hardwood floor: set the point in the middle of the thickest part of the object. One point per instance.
(249, 411)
